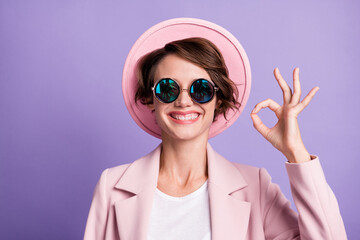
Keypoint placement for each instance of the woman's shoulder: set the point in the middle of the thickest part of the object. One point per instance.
(249, 173)
(257, 178)
(110, 176)
(246, 168)
(235, 170)
(118, 170)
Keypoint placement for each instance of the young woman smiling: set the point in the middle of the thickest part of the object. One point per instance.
(184, 93)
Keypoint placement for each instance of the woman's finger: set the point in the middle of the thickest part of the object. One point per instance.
(283, 85)
(274, 106)
(306, 100)
(259, 125)
(297, 88)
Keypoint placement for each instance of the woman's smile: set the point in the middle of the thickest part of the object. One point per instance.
(187, 117)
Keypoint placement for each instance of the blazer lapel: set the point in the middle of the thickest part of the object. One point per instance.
(229, 215)
(140, 179)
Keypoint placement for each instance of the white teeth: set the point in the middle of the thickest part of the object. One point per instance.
(186, 117)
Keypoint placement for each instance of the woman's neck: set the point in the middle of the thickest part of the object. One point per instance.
(183, 162)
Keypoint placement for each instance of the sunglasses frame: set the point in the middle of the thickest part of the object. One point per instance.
(187, 89)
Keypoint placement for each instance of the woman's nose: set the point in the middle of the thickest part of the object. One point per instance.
(183, 99)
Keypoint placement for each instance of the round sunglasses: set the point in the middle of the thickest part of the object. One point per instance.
(168, 90)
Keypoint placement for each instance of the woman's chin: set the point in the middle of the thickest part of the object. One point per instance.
(185, 135)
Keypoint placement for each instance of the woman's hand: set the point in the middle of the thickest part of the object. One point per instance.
(285, 135)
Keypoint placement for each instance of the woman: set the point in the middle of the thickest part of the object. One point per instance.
(184, 189)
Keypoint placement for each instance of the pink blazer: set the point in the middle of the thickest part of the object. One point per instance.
(244, 203)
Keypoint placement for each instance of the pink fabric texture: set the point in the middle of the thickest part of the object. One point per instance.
(244, 203)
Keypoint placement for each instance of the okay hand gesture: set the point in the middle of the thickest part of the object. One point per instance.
(285, 135)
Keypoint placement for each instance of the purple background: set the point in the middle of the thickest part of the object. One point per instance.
(63, 118)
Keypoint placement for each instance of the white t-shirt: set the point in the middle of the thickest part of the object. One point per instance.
(179, 218)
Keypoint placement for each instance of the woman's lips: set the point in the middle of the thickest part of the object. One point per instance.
(184, 117)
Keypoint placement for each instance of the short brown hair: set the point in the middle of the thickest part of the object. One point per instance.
(199, 51)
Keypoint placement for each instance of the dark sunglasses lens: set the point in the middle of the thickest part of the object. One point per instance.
(167, 90)
(202, 91)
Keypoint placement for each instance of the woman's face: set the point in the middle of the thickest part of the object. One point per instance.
(183, 119)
